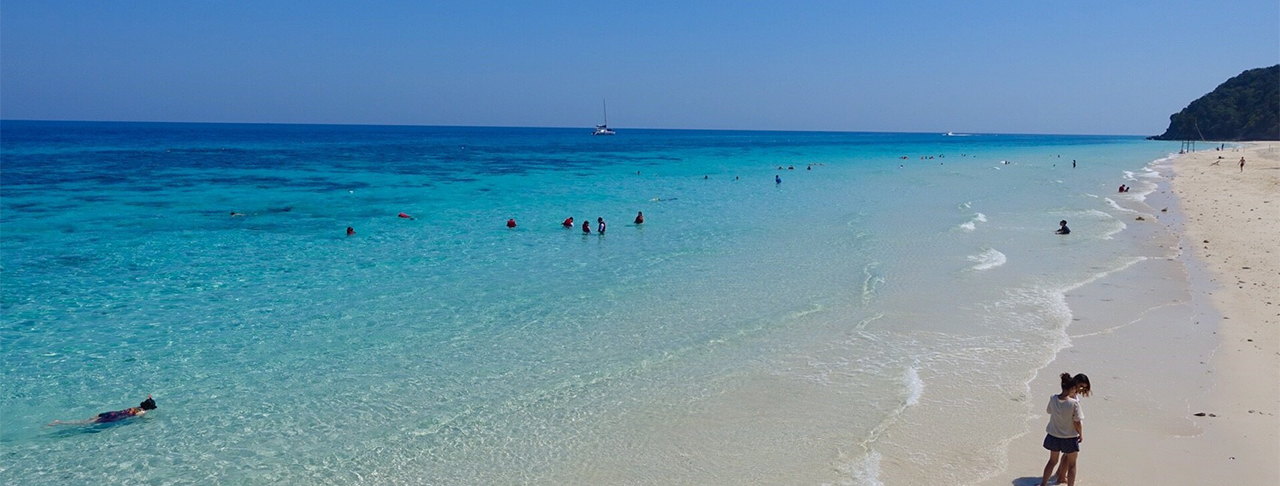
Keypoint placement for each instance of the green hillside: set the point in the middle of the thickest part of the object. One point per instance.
(1246, 107)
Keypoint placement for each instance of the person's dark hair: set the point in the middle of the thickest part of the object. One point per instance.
(1062, 222)
(1082, 381)
(1067, 382)
(147, 404)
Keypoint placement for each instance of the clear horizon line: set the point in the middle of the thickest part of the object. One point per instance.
(557, 127)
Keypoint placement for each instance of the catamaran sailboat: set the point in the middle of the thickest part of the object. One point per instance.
(603, 129)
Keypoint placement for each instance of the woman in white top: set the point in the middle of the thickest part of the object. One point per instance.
(1065, 429)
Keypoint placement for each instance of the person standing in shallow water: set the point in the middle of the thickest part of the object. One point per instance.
(1065, 431)
(600, 229)
(586, 227)
(639, 217)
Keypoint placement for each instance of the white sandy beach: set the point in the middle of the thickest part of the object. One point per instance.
(1192, 331)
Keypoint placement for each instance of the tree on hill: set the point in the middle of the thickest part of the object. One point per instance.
(1246, 107)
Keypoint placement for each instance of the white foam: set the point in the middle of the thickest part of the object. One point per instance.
(972, 224)
(989, 259)
(915, 386)
(1118, 207)
(863, 472)
(1112, 203)
(1146, 189)
(1114, 230)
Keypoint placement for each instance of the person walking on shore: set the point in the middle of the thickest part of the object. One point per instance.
(1241, 164)
(1065, 431)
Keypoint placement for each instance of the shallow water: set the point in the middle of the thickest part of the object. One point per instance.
(810, 331)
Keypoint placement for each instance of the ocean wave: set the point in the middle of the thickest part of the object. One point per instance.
(991, 258)
(1114, 224)
(1116, 206)
(972, 224)
(1115, 229)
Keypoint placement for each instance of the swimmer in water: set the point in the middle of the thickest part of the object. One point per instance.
(511, 222)
(115, 416)
(405, 216)
(236, 215)
(639, 217)
(350, 231)
(600, 229)
(568, 223)
(1063, 229)
(586, 227)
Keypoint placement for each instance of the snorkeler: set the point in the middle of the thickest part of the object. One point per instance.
(115, 416)
(405, 216)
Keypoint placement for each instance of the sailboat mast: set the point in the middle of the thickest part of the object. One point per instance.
(605, 104)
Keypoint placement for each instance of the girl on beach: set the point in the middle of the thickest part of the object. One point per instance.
(1065, 429)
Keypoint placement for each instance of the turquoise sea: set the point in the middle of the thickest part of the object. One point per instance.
(828, 329)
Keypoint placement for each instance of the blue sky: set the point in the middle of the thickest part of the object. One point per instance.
(1010, 66)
